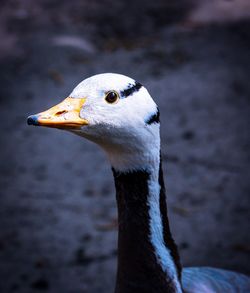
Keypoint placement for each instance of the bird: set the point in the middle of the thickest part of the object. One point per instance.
(118, 113)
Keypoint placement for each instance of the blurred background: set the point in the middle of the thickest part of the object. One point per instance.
(58, 221)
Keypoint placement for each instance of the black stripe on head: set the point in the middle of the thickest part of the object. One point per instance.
(132, 88)
(154, 118)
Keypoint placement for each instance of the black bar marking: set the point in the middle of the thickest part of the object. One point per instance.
(155, 118)
(131, 89)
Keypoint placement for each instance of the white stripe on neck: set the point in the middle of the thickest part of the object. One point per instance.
(156, 234)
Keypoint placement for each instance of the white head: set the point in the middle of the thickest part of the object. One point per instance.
(113, 111)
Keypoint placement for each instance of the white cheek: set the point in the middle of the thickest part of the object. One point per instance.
(87, 111)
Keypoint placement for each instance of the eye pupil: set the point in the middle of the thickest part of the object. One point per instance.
(111, 97)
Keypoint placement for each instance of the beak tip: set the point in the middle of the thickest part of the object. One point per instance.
(32, 120)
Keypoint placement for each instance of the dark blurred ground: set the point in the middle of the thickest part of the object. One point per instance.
(57, 204)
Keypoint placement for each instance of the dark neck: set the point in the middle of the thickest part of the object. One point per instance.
(148, 260)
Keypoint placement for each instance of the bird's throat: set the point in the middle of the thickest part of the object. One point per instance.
(148, 259)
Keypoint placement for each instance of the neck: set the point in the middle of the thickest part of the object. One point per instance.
(148, 259)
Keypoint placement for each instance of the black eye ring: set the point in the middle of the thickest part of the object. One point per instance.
(111, 97)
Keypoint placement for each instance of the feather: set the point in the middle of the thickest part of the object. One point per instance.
(213, 280)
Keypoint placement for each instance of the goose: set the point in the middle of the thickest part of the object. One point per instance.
(117, 113)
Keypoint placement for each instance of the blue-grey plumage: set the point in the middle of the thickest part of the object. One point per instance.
(212, 280)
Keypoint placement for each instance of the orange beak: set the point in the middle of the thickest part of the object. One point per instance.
(65, 115)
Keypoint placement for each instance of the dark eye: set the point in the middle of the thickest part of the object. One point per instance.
(111, 97)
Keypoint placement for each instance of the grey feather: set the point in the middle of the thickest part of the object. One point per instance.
(212, 280)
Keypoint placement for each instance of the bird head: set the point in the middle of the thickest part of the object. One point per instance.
(112, 110)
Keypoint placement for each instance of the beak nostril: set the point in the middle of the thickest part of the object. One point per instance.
(60, 112)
